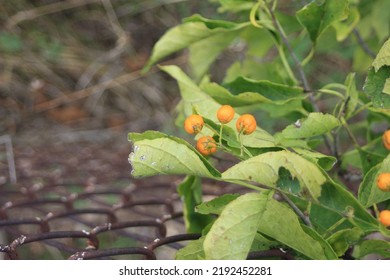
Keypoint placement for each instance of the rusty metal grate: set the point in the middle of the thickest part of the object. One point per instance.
(67, 221)
(73, 220)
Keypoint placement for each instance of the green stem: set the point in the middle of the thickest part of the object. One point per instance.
(331, 92)
(334, 226)
(364, 107)
(286, 64)
(308, 57)
(291, 51)
(244, 184)
(241, 145)
(335, 85)
(350, 134)
(220, 134)
(212, 129)
(293, 206)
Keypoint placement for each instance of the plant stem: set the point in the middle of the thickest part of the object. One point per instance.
(363, 44)
(298, 211)
(350, 134)
(331, 92)
(220, 134)
(294, 207)
(291, 51)
(244, 184)
(305, 83)
(285, 64)
(334, 226)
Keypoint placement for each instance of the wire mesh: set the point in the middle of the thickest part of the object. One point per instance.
(141, 221)
(75, 220)
(69, 203)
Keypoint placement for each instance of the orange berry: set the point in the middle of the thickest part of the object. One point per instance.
(383, 182)
(206, 145)
(193, 124)
(384, 217)
(225, 114)
(386, 139)
(246, 124)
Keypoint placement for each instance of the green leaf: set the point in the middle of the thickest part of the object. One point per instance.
(369, 193)
(192, 30)
(374, 87)
(315, 124)
(194, 98)
(316, 18)
(343, 239)
(369, 159)
(262, 243)
(258, 41)
(332, 199)
(326, 162)
(247, 91)
(193, 251)
(380, 18)
(286, 182)
(337, 198)
(383, 57)
(157, 153)
(281, 223)
(273, 70)
(190, 190)
(374, 151)
(386, 87)
(294, 106)
(264, 169)
(366, 247)
(223, 96)
(216, 205)
(352, 94)
(323, 217)
(344, 28)
(232, 234)
(329, 253)
(204, 52)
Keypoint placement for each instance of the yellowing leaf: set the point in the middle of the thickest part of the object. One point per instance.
(264, 169)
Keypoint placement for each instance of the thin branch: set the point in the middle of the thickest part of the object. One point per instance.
(298, 64)
(363, 44)
(298, 211)
(292, 53)
(349, 132)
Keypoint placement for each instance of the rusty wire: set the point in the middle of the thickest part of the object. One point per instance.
(16, 206)
(147, 217)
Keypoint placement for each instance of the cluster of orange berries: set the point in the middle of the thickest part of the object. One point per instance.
(383, 182)
(206, 145)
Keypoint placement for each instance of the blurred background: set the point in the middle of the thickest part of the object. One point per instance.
(70, 82)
